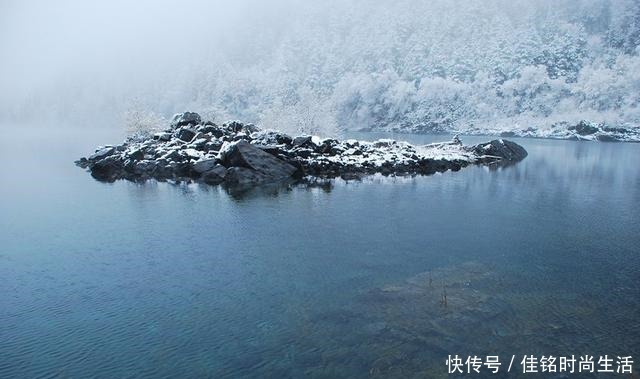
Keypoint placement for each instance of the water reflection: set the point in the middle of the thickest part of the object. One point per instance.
(320, 279)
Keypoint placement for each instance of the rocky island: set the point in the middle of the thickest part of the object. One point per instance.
(235, 153)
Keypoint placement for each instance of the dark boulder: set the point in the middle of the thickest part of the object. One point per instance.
(213, 145)
(136, 155)
(303, 152)
(212, 130)
(302, 141)
(215, 175)
(185, 134)
(186, 118)
(325, 146)
(504, 149)
(173, 156)
(144, 168)
(234, 126)
(82, 162)
(102, 153)
(107, 169)
(271, 137)
(243, 175)
(237, 127)
(182, 170)
(204, 165)
(246, 155)
(271, 149)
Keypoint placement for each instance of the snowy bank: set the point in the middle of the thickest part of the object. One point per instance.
(236, 153)
(580, 131)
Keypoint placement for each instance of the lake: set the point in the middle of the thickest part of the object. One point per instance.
(335, 280)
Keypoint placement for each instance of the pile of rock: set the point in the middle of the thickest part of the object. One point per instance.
(237, 153)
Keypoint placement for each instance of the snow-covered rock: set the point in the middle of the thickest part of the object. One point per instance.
(102, 153)
(235, 153)
(502, 149)
(186, 118)
(185, 134)
(204, 165)
(246, 155)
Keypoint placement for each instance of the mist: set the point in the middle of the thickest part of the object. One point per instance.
(74, 59)
(322, 66)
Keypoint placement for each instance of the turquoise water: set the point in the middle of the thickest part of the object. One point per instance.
(126, 280)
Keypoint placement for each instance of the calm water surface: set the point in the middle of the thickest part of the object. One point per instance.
(126, 280)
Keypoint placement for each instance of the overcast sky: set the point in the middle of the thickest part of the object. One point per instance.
(49, 41)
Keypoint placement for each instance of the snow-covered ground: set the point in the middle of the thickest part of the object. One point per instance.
(582, 132)
(579, 131)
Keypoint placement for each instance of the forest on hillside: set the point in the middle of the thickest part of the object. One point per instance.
(404, 65)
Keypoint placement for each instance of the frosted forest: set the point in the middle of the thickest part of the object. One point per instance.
(487, 67)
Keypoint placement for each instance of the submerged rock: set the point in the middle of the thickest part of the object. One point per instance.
(241, 154)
